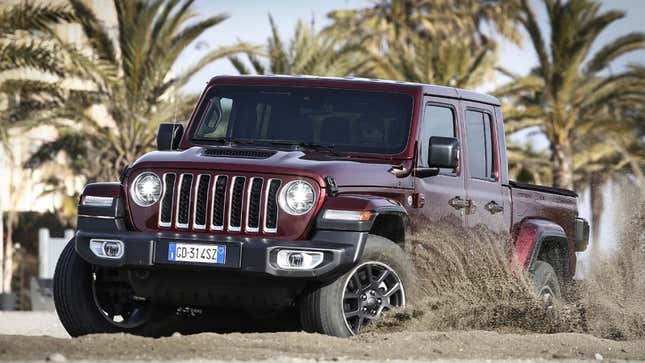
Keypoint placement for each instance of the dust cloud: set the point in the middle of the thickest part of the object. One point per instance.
(466, 282)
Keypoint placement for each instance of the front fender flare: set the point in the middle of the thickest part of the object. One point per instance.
(380, 207)
(356, 202)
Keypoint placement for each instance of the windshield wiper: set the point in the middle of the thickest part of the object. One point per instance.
(308, 145)
(326, 147)
(232, 140)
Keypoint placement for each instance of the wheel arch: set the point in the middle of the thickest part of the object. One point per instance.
(389, 219)
(394, 225)
(543, 240)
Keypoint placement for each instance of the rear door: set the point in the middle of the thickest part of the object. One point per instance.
(440, 118)
(482, 158)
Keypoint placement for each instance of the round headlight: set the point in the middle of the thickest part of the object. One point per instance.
(146, 189)
(297, 197)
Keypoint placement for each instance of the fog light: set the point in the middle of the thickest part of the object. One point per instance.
(107, 248)
(299, 260)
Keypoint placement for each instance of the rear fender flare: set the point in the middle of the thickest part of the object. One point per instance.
(531, 237)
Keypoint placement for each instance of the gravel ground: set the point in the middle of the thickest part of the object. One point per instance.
(31, 323)
(39, 337)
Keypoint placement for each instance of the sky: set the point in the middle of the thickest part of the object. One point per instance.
(248, 21)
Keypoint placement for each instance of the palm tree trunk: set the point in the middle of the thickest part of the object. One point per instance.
(562, 158)
(596, 184)
(1, 244)
(7, 273)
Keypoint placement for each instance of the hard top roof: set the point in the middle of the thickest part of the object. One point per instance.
(428, 89)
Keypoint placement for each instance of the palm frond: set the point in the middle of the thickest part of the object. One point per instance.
(126, 71)
(239, 65)
(30, 16)
(615, 49)
(34, 54)
(277, 52)
(95, 33)
(214, 55)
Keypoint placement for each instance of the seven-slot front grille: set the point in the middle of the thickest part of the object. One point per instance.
(219, 203)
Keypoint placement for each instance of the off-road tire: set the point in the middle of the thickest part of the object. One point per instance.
(75, 304)
(321, 309)
(544, 276)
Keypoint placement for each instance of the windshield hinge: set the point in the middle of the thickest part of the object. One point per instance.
(332, 188)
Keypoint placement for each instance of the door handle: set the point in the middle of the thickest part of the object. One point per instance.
(459, 203)
(493, 207)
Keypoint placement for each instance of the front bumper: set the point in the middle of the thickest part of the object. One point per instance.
(244, 254)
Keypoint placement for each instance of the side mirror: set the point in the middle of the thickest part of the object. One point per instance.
(169, 136)
(443, 152)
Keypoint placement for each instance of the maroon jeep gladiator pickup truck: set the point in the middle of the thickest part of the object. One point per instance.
(301, 193)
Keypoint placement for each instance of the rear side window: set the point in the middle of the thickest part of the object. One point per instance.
(479, 138)
(437, 121)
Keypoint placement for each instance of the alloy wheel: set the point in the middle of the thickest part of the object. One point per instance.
(371, 288)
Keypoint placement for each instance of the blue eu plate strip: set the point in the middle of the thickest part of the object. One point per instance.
(221, 254)
(172, 251)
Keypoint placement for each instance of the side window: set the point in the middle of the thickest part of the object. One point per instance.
(437, 121)
(479, 138)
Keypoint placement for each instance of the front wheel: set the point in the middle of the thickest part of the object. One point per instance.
(91, 300)
(382, 280)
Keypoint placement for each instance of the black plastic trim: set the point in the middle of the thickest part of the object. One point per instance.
(560, 239)
(247, 255)
(101, 224)
(542, 188)
(169, 135)
(582, 235)
(116, 210)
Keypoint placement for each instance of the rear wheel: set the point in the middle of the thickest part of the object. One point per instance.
(91, 300)
(381, 281)
(546, 283)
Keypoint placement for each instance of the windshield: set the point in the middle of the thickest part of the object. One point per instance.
(330, 119)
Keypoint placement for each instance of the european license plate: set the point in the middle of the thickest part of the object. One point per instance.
(189, 252)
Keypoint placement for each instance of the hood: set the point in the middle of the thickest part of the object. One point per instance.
(346, 171)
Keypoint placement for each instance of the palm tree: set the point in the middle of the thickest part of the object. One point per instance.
(309, 52)
(453, 62)
(527, 165)
(131, 79)
(428, 41)
(389, 22)
(611, 148)
(568, 91)
(28, 54)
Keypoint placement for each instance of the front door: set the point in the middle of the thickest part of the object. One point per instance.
(483, 187)
(440, 118)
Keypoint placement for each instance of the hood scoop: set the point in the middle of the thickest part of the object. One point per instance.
(243, 154)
